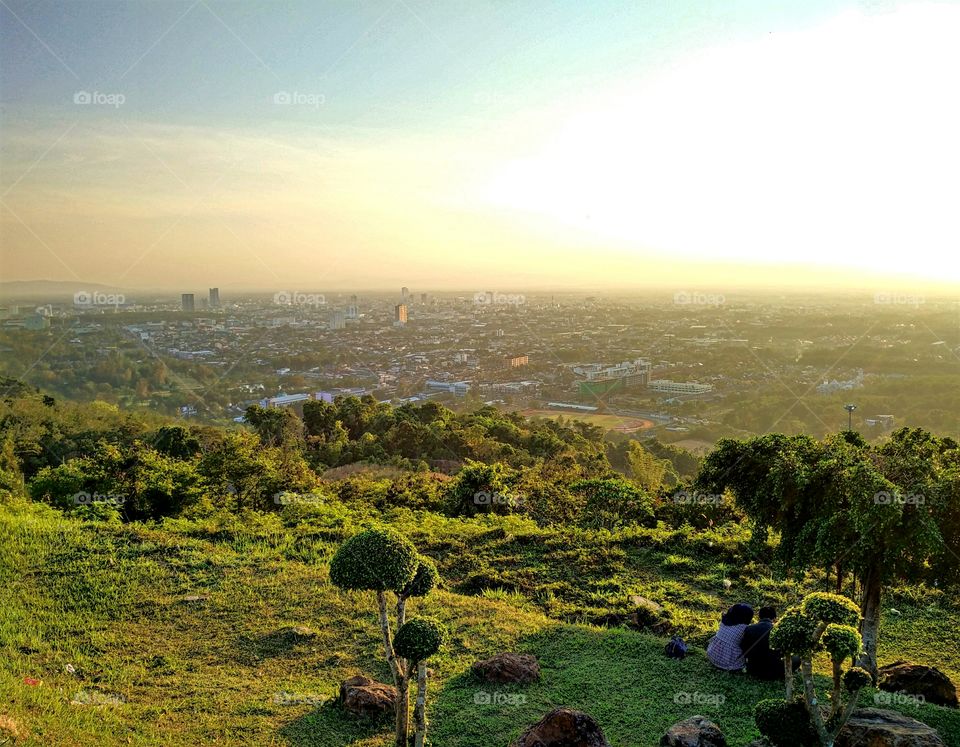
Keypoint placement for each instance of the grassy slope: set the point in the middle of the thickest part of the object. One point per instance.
(109, 601)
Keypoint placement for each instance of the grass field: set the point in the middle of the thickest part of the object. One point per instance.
(603, 420)
(184, 634)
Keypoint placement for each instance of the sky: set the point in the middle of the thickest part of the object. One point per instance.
(480, 144)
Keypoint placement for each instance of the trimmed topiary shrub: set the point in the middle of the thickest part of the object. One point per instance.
(383, 561)
(785, 723)
(374, 560)
(822, 622)
(419, 639)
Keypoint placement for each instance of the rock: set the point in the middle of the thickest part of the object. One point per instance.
(564, 727)
(195, 598)
(508, 668)
(921, 681)
(696, 731)
(873, 727)
(363, 696)
(642, 602)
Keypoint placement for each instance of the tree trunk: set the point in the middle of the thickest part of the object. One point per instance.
(387, 643)
(813, 707)
(847, 713)
(403, 711)
(788, 676)
(836, 696)
(870, 625)
(839, 579)
(420, 707)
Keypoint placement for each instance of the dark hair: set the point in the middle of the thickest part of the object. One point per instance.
(768, 613)
(738, 614)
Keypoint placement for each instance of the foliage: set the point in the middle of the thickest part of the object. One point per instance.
(785, 723)
(419, 639)
(424, 581)
(375, 560)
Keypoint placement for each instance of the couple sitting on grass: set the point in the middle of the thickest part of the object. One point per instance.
(738, 645)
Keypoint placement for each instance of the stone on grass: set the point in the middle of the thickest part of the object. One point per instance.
(874, 727)
(564, 727)
(363, 696)
(919, 680)
(696, 731)
(508, 668)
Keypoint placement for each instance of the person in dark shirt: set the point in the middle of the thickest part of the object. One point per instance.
(763, 662)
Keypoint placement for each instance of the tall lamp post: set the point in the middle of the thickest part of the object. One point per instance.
(849, 409)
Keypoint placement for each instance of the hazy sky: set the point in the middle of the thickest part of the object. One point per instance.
(500, 144)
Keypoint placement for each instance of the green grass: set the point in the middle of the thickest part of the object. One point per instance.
(108, 600)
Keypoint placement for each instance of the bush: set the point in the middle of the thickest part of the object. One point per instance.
(785, 724)
(419, 639)
(426, 579)
(374, 560)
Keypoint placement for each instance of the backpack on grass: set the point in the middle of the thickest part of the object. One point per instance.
(676, 648)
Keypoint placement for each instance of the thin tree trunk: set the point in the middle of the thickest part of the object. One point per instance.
(813, 707)
(837, 694)
(870, 625)
(387, 643)
(847, 713)
(420, 707)
(839, 579)
(788, 676)
(403, 711)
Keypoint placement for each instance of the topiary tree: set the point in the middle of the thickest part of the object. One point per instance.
(416, 641)
(822, 622)
(382, 561)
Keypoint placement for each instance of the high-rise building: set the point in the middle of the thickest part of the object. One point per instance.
(352, 312)
(338, 320)
(214, 298)
(400, 314)
(405, 292)
(186, 302)
(353, 299)
(423, 298)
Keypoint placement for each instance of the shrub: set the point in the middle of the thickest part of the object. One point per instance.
(424, 581)
(374, 560)
(419, 639)
(831, 608)
(785, 724)
(841, 641)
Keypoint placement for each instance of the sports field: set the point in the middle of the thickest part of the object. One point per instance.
(604, 420)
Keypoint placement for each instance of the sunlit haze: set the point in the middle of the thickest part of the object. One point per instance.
(375, 145)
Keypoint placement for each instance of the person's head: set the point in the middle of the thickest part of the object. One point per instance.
(738, 614)
(768, 613)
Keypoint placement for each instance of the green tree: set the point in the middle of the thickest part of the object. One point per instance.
(842, 504)
(382, 561)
